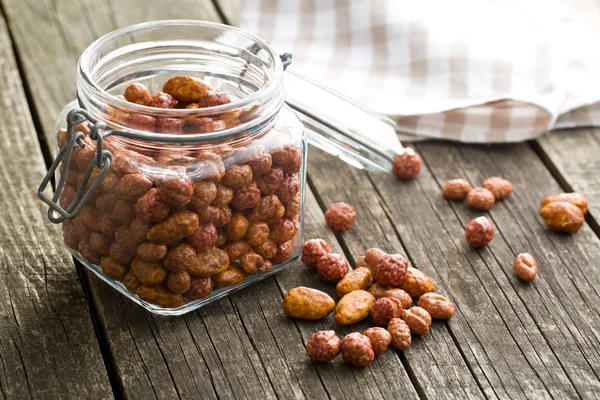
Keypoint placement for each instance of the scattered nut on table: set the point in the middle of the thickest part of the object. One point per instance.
(373, 255)
(323, 346)
(562, 216)
(407, 164)
(577, 199)
(456, 189)
(353, 307)
(525, 267)
(417, 283)
(313, 250)
(480, 199)
(401, 336)
(397, 293)
(307, 303)
(340, 216)
(499, 187)
(438, 306)
(417, 319)
(357, 279)
(390, 270)
(479, 232)
(357, 350)
(380, 339)
(385, 309)
(377, 290)
(332, 267)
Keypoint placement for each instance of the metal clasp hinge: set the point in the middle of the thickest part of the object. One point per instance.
(286, 59)
(103, 159)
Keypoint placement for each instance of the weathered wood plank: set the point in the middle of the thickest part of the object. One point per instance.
(436, 362)
(386, 378)
(563, 302)
(490, 321)
(48, 348)
(239, 347)
(154, 357)
(530, 340)
(573, 157)
(224, 350)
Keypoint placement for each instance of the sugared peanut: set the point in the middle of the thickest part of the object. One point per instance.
(340, 216)
(480, 199)
(313, 250)
(307, 303)
(417, 283)
(456, 189)
(176, 227)
(577, 199)
(562, 216)
(525, 267)
(356, 350)
(417, 319)
(357, 279)
(437, 306)
(401, 336)
(323, 346)
(499, 187)
(380, 339)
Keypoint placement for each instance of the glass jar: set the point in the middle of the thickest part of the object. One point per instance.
(182, 193)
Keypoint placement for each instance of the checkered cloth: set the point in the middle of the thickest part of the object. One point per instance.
(474, 71)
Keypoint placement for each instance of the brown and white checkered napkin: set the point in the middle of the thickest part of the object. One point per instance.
(474, 71)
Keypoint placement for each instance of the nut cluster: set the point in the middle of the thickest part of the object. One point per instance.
(481, 198)
(173, 225)
(383, 286)
(179, 92)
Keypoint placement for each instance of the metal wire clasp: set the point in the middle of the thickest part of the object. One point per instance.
(103, 159)
(286, 59)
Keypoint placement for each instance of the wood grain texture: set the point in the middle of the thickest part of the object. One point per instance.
(563, 302)
(240, 347)
(573, 157)
(437, 365)
(509, 333)
(48, 348)
(529, 339)
(508, 340)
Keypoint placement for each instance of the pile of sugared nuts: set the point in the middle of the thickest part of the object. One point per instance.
(171, 224)
(383, 286)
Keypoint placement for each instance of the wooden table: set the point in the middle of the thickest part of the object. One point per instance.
(65, 334)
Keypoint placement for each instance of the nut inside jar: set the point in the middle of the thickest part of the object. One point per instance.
(174, 221)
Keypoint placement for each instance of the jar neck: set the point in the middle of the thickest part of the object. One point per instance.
(240, 64)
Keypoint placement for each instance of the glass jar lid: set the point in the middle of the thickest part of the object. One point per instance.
(340, 126)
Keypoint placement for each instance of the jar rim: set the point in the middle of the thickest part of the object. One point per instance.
(267, 90)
